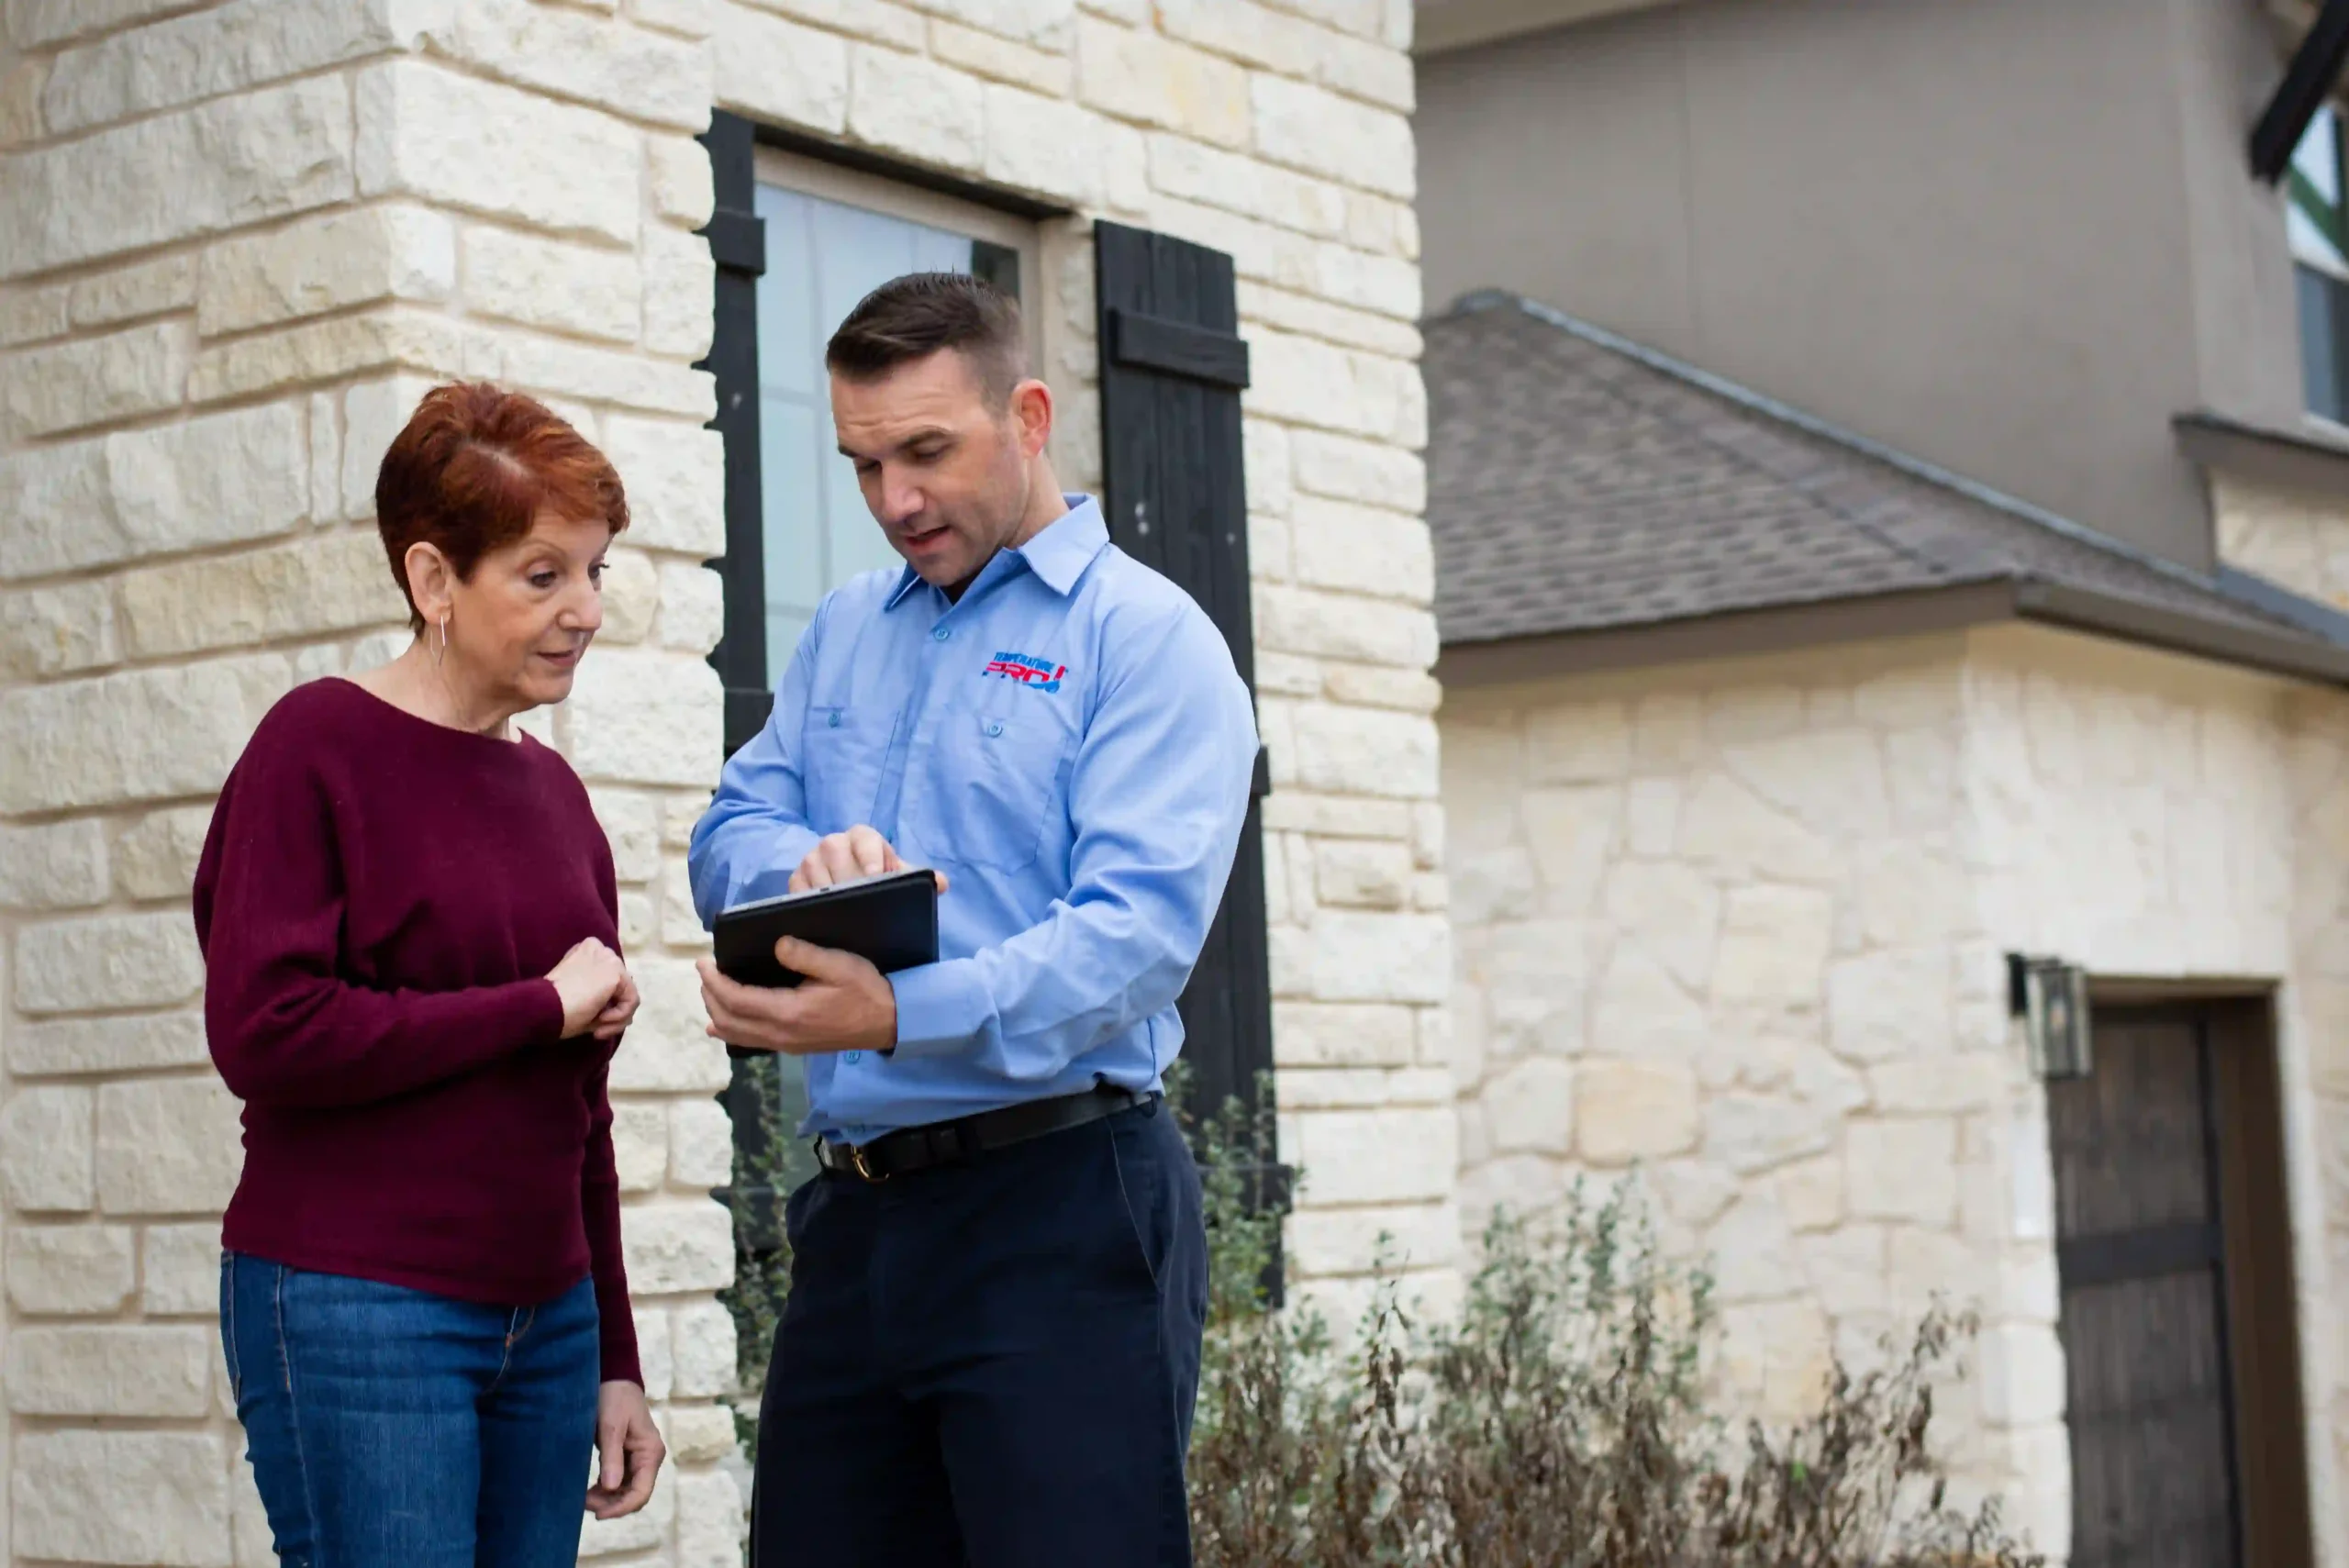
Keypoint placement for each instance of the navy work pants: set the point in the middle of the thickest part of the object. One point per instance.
(990, 1364)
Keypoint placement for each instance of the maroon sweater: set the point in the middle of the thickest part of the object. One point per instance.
(379, 901)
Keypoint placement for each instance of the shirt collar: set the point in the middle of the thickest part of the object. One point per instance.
(1058, 555)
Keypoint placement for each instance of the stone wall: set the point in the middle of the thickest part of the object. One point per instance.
(2299, 540)
(241, 240)
(1742, 927)
(242, 236)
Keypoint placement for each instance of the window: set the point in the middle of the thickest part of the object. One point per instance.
(2313, 220)
(832, 236)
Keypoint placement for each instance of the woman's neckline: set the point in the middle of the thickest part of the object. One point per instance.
(387, 704)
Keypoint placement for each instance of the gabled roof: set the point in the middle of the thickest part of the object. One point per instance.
(1581, 484)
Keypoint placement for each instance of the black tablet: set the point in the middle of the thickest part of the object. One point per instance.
(890, 919)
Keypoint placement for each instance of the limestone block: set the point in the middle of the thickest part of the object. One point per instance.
(1154, 81)
(641, 75)
(1261, 305)
(46, 1158)
(317, 586)
(337, 348)
(1910, 894)
(675, 1248)
(1334, 626)
(1000, 60)
(1921, 772)
(916, 108)
(680, 185)
(131, 294)
(107, 960)
(181, 1270)
(703, 1338)
(1355, 470)
(1247, 33)
(1752, 1254)
(325, 264)
(701, 1144)
(675, 478)
(693, 607)
(1890, 1004)
(653, 1352)
(122, 1496)
(1362, 875)
(698, 1434)
(115, 1371)
(77, 1269)
(665, 1049)
(95, 381)
(168, 1146)
(1530, 1106)
(640, 1144)
(1389, 1156)
(1726, 828)
(631, 597)
(123, 1043)
(1365, 750)
(1939, 1084)
(1810, 1192)
(1632, 1110)
(1832, 781)
(1775, 944)
(1363, 550)
(62, 866)
(156, 856)
(1316, 384)
(1753, 1133)
(374, 413)
(1044, 23)
(1776, 1356)
(1358, 956)
(2022, 1375)
(680, 293)
(1338, 1088)
(1345, 1240)
(709, 1520)
(1197, 172)
(1309, 128)
(1044, 145)
(557, 368)
(1903, 1170)
(31, 314)
(639, 921)
(631, 822)
(59, 630)
(427, 132)
(1323, 1034)
(222, 164)
(645, 717)
(686, 18)
(1846, 1268)
(1924, 1264)
(780, 71)
(225, 49)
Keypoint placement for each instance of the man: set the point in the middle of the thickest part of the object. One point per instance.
(991, 1346)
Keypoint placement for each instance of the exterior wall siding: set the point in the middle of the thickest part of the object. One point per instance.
(243, 236)
(2292, 538)
(1742, 927)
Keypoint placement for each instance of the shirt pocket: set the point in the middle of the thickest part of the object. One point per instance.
(993, 786)
(839, 776)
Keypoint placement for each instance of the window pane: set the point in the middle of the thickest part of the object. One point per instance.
(2312, 210)
(2321, 324)
(822, 258)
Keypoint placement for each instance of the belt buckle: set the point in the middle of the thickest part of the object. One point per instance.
(863, 1167)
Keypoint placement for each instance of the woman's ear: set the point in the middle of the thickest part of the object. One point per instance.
(432, 581)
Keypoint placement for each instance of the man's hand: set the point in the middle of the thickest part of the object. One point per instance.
(843, 857)
(844, 1004)
(628, 1452)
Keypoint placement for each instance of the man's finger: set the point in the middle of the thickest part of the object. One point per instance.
(872, 850)
(815, 962)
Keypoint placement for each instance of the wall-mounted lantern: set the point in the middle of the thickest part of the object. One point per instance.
(2051, 999)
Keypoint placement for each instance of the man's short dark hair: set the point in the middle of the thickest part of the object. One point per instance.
(913, 316)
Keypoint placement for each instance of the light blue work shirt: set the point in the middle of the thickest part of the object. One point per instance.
(1072, 745)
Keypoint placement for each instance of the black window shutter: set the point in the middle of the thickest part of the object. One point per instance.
(1172, 364)
(738, 244)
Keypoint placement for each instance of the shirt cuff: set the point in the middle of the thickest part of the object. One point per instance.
(941, 1007)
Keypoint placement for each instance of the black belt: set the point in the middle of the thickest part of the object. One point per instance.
(951, 1142)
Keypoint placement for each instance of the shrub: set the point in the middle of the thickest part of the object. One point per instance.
(1561, 1422)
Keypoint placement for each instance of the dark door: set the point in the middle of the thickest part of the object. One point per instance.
(2170, 1232)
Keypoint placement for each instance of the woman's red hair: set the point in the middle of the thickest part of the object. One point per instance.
(476, 469)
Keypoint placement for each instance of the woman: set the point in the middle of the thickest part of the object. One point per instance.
(409, 918)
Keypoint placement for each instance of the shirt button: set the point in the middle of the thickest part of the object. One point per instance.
(834, 721)
(940, 633)
(995, 728)
(852, 1057)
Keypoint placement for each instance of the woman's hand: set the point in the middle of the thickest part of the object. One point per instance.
(587, 979)
(631, 1450)
(614, 1019)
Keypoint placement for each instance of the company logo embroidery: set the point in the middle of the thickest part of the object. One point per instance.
(1036, 674)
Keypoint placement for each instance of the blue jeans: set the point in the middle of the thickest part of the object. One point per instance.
(393, 1428)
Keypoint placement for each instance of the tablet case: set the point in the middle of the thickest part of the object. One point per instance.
(891, 920)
